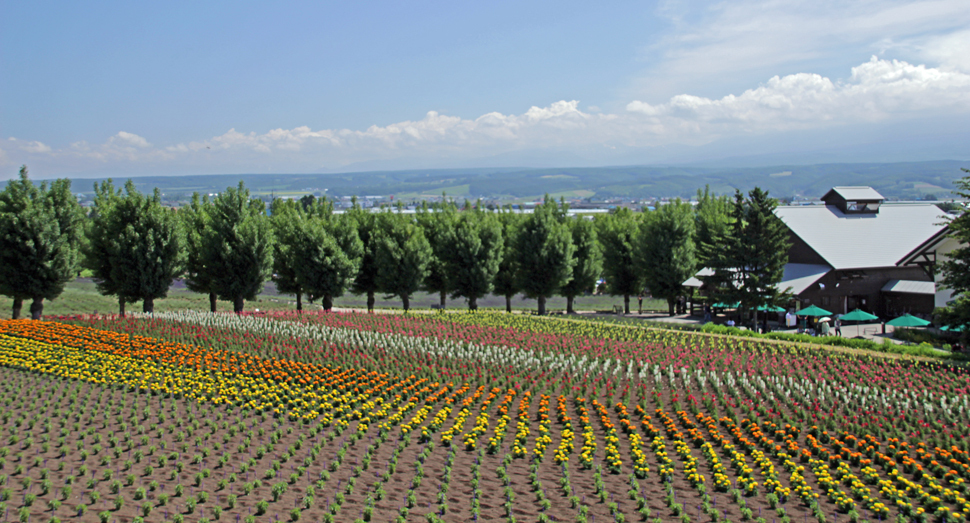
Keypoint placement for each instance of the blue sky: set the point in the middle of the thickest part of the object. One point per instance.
(134, 88)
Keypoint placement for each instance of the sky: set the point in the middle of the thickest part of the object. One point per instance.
(174, 88)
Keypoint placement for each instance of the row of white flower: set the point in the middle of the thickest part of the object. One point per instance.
(785, 388)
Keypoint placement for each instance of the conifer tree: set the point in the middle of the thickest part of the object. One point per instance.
(752, 261)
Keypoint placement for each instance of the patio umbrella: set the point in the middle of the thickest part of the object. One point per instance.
(858, 315)
(947, 328)
(908, 320)
(720, 305)
(813, 311)
(771, 308)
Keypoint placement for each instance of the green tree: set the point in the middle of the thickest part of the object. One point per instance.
(713, 222)
(401, 256)
(199, 277)
(438, 222)
(475, 255)
(618, 234)
(504, 281)
(40, 239)
(956, 268)
(331, 253)
(666, 250)
(238, 246)
(135, 246)
(589, 261)
(366, 280)
(544, 253)
(101, 234)
(752, 262)
(288, 218)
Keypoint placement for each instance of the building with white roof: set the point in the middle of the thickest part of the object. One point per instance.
(859, 251)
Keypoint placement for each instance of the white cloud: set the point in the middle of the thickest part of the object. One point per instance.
(124, 139)
(35, 147)
(951, 51)
(713, 44)
(875, 91)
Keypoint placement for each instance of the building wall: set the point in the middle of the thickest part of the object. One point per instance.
(943, 295)
(842, 293)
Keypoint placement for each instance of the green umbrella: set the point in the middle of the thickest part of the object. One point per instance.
(958, 328)
(813, 311)
(771, 308)
(859, 315)
(720, 305)
(908, 320)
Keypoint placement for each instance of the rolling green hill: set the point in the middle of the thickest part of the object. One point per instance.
(913, 180)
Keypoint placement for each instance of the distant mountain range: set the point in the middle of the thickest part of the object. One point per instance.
(911, 180)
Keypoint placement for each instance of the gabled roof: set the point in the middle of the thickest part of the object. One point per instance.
(854, 193)
(930, 245)
(858, 241)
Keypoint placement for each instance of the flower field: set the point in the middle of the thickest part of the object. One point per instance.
(465, 417)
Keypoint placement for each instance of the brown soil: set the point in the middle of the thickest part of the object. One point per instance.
(86, 415)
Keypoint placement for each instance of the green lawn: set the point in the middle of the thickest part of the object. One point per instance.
(81, 297)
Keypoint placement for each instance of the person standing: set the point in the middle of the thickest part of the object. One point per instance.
(640, 304)
(838, 326)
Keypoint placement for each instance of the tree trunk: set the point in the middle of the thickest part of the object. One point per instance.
(473, 303)
(370, 301)
(508, 303)
(406, 302)
(444, 296)
(238, 303)
(148, 305)
(626, 304)
(542, 305)
(37, 308)
(212, 302)
(569, 305)
(299, 301)
(121, 307)
(327, 302)
(671, 303)
(18, 304)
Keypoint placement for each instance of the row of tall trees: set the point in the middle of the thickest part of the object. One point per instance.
(228, 246)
